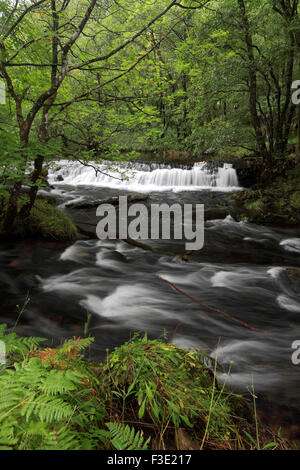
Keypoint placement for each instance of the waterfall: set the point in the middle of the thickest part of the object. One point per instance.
(227, 176)
(143, 177)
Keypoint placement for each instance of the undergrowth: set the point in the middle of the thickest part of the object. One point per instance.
(147, 394)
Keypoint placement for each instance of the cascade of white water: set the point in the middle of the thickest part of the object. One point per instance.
(139, 177)
(227, 176)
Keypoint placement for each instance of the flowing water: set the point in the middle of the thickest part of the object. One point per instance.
(148, 178)
(241, 271)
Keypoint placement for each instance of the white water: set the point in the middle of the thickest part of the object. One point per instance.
(292, 244)
(137, 179)
(288, 303)
(118, 285)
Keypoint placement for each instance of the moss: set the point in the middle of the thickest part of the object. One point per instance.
(45, 221)
(295, 200)
(276, 203)
(257, 205)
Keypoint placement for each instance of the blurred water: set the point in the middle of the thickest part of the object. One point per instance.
(139, 178)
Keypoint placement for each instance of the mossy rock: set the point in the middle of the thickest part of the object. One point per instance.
(276, 203)
(45, 221)
(256, 206)
(295, 200)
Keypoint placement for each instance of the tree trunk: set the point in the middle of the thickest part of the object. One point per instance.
(12, 206)
(38, 163)
(38, 168)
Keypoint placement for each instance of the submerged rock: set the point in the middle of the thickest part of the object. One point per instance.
(294, 278)
(113, 201)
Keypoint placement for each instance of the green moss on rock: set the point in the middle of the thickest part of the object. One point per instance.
(45, 221)
(276, 203)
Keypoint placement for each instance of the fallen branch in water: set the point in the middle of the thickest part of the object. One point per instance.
(213, 309)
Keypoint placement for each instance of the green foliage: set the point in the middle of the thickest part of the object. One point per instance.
(126, 438)
(17, 347)
(168, 385)
(49, 400)
(277, 203)
(50, 222)
(55, 399)
(182, 86)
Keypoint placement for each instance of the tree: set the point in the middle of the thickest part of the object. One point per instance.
(272, 126)
(48, 41)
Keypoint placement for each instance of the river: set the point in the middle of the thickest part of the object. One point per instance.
(241, 271)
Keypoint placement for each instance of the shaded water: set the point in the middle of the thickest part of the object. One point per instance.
(241, 271)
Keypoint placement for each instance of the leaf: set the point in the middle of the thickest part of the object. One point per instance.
(149, 393)
(126, 438)
(142, 409)
(155, 409)
(271, 444)
(186, 420)
(130, 388)
(117, 444)
(250, 437)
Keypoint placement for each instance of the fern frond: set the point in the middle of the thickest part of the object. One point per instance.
(60, 381)
(16, 345)
(61, 439)
(47, 408)
(126, 438)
